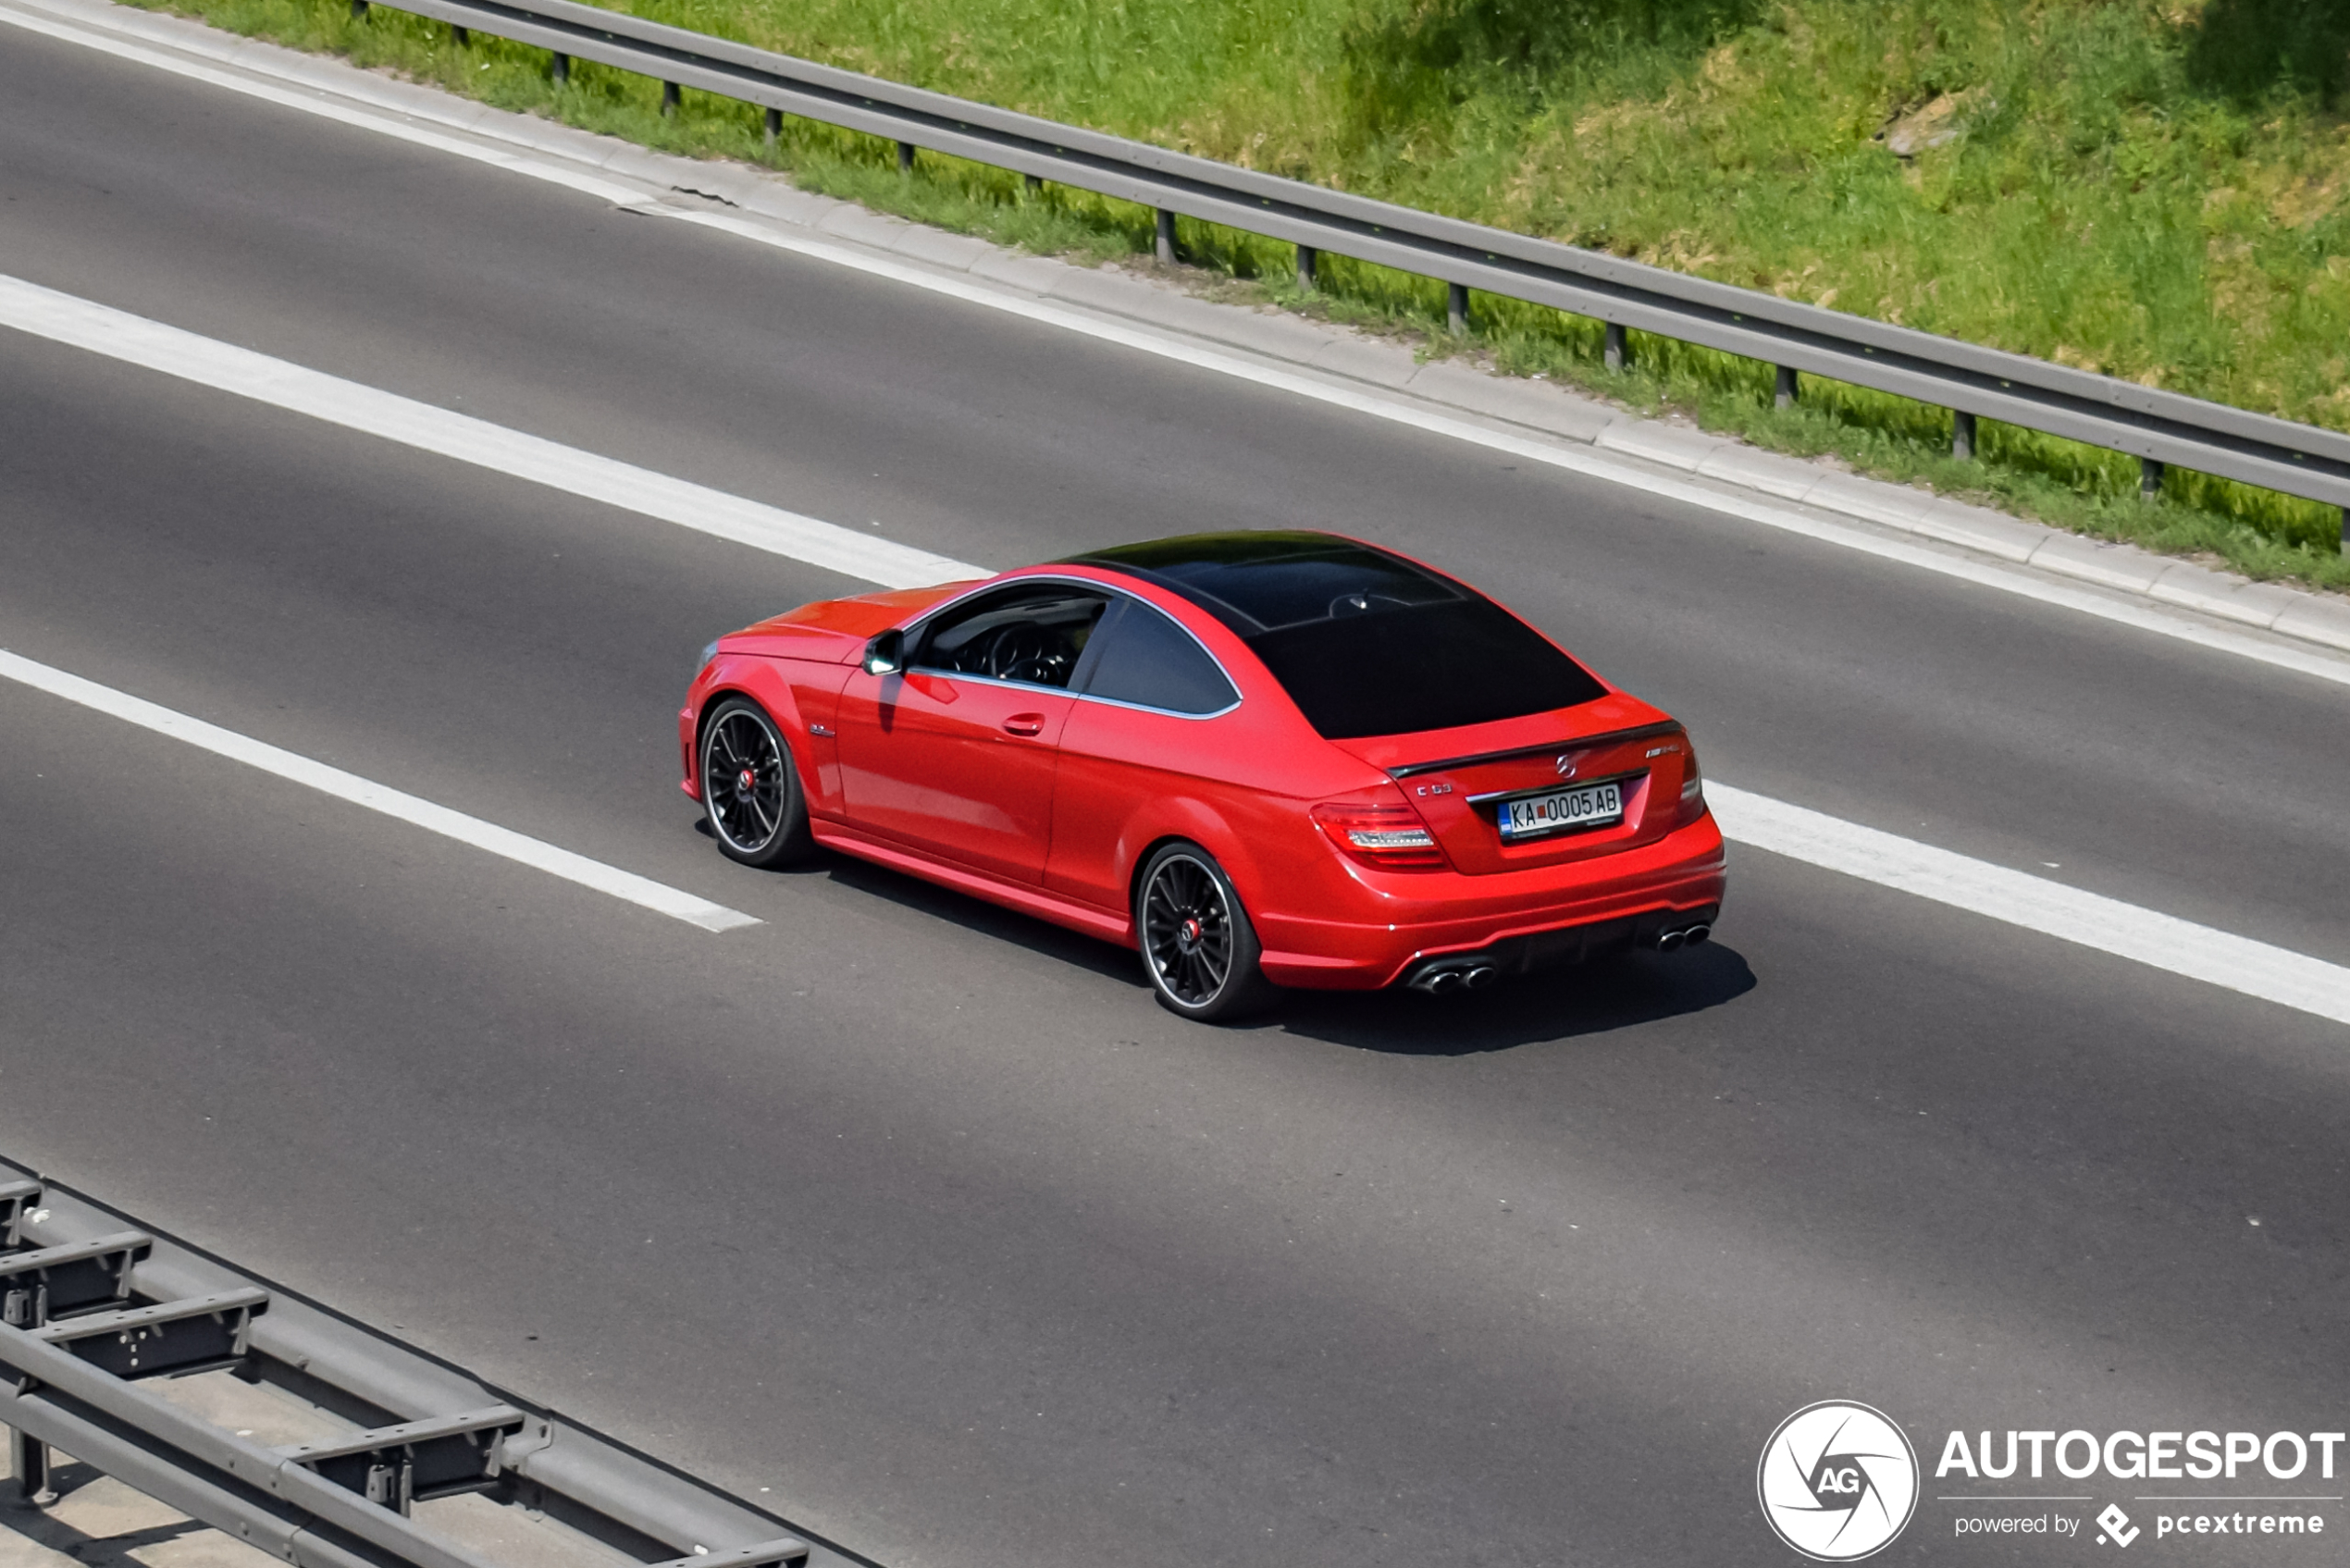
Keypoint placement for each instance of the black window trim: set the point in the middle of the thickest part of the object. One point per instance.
(1252, 632)
(920, 626)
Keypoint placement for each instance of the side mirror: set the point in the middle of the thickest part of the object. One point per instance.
(885, 655)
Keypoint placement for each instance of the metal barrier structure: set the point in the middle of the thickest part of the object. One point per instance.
(91, 1307)
(2159, 429)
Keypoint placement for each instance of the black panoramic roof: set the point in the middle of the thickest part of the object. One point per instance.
(1261, 582)
(1364, 642)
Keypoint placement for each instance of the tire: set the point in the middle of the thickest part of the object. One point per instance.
(750, 789)
(1199, 950)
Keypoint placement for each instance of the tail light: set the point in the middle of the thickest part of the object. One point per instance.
(1692, 784)
(1390, 837)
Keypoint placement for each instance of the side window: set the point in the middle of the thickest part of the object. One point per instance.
(1031, 634)
(1147, 660)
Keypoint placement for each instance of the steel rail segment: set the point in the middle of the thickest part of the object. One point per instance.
(91, 1304)
(2159, 428)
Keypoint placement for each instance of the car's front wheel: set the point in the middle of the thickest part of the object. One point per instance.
(1198, 947)
(750, 788)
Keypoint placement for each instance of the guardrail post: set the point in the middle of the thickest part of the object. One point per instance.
(2264, 450)
(2149, 479)
(461, 37)
(29, 1461)
(671, 97)
(1031, 184)
(2345, 530)
(774, 123)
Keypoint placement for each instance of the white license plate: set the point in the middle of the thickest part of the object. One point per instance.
(1531, 816)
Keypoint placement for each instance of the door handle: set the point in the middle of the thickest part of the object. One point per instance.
(1025, 724)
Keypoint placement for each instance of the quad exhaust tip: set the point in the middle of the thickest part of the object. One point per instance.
(1684, 936)
(1443, 981)
(1445, 977)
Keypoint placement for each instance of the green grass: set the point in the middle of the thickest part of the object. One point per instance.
(2156, 189)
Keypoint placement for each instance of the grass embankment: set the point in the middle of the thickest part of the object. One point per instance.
(2156, 189)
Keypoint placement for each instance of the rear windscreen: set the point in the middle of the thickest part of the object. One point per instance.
(1365, 643)
(1428, 667)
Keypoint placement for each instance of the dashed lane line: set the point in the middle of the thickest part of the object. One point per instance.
(554, 170)
(207, 362)
(2145, 936)
(2087, 920)
(519, 847)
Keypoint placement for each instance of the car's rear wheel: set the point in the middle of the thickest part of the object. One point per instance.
(1198, 947)
(749, 788)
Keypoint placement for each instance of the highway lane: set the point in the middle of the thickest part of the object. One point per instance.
(2004, 730)
(991, 1262)
(967, 1246)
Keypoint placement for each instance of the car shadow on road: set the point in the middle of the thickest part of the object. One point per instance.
(1607, 993)
(1040, 937)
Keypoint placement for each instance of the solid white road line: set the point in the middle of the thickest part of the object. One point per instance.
(2034, 902)
(556, 171)
(101, 330)
(1576, 460)
(423, 813)
(2217, 957)
(312, 101)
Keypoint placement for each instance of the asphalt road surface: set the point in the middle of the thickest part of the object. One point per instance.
(922, 1214)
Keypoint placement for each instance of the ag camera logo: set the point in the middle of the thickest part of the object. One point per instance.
(1839, 1481)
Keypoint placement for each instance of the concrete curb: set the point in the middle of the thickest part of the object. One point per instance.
(1332, 353)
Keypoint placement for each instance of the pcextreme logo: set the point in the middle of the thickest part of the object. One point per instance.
(1839, 1481)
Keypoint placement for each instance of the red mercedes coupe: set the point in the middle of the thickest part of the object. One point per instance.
(1264, 759)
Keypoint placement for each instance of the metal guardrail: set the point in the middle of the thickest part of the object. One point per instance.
(90, 1308)
(1973, 382)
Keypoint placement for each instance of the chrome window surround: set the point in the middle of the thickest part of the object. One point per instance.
(919, 627)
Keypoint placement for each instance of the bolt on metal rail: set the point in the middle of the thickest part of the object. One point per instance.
(2162, 429)
(93, 1308)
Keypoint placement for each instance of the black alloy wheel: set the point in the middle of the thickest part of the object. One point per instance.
(1198, 947)
(750, 788)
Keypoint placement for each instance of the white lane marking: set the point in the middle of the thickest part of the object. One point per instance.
(555, 171)
(505, 842)
(102, 329)
(2030, 902)
(2144, 618)
(315, 101)
(2163, 942)
(2107, 925)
